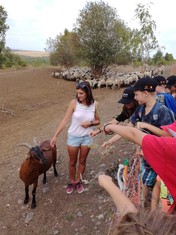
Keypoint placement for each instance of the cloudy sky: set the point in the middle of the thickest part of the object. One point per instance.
(33, 22)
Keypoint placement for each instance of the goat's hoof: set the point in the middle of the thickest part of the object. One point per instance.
(56, 174)
(26, 201)
(33, 205)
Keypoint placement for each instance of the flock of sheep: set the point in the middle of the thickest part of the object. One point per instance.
(109, 79)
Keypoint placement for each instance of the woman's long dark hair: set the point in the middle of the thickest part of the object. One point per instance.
(85, 86)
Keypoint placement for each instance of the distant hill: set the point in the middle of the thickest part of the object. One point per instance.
(31, 53)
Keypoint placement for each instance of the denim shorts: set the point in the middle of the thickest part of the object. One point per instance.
(77, 141)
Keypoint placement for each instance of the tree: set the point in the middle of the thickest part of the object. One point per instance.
(169, 57)
(3, 29)
(124, 54)
(158, 56)
(97, 28)
(11, 59)
(145, 36)
(64, 49)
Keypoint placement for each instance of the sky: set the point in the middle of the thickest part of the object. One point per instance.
(33, 22)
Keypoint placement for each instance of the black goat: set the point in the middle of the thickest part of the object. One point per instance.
(39, 160)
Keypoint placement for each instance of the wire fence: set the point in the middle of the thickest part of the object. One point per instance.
(129, 179)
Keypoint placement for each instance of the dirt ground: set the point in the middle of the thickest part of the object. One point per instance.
(34, 103)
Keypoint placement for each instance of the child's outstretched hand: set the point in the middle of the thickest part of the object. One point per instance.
(106, 144)
(94, 133)
(141, 125)
(104, 180)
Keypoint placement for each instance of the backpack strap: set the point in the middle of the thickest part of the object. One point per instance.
(161, 98)
(157, 106)
(155, 111)
(141, 113)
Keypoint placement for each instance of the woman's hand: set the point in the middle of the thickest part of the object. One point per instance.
(86, 124)
(53, 141)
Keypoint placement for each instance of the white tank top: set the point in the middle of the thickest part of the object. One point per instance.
(81, 114)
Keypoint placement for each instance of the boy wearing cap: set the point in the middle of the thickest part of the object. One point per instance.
(171, 85)
(129, 106)
(149, 111)
(162, 96)
(154, 113)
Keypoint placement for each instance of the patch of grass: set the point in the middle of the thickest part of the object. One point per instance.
(69, 217)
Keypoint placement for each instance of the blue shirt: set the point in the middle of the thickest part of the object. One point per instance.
(168, 100)
(158, 116)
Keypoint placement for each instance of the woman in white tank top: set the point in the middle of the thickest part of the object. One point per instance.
(83, 113)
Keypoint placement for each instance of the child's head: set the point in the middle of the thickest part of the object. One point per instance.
(161, 83)
(146, 222)
(171, 84)
(128, 97)
(145, 89)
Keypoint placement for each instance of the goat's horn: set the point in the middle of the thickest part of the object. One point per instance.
(27, 145)
(35, 140)
(46, 149)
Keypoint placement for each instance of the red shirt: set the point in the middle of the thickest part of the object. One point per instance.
(160, 153)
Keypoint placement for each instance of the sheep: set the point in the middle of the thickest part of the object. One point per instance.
(102, 82)
(56, 74)
(39, 160)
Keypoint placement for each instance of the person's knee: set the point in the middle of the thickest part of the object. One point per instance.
(82, 161)
(73, 163)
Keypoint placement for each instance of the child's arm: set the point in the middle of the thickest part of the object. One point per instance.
(95, 132)
(127, 132)
(100, 129)
(155, 130)
(112, 140)
(123, 204)
(155, 195)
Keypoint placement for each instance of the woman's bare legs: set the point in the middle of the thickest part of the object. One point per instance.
(84, 151)
(73, 155)
(73, 152)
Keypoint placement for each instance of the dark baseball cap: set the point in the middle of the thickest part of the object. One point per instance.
(146, 84)
(128, 96)
(160, 80)
(171, 81)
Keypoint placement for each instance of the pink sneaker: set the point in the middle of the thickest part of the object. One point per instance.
(79, 187)
(70, 188)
